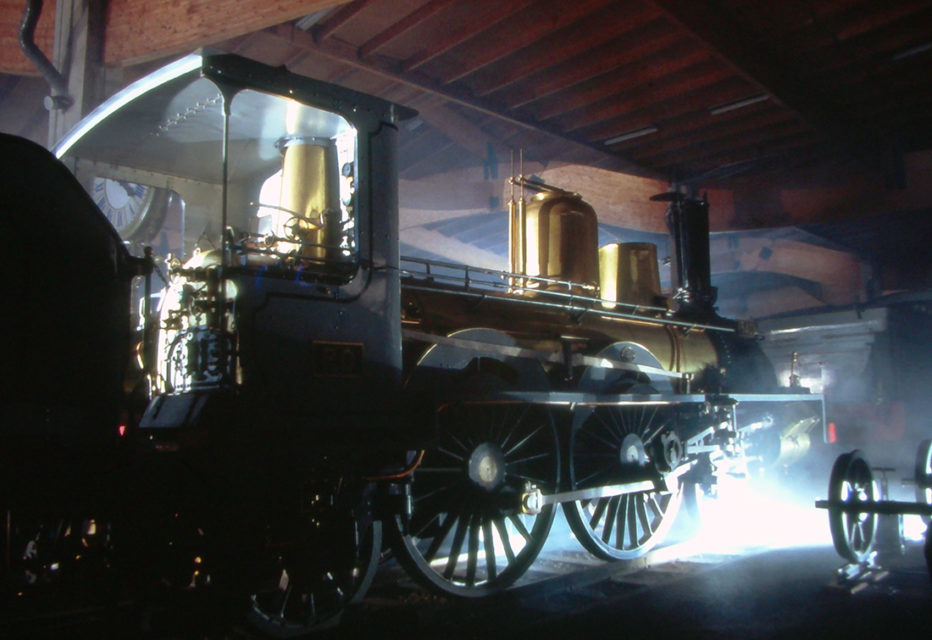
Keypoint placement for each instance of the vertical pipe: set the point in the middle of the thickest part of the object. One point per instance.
(7, 543)
(521, 215)
(224, 241)
(147, 311)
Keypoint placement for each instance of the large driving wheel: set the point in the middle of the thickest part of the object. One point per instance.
(923, 475)
(852, 483)
(312, 585)
(614, 445)
(467, 535)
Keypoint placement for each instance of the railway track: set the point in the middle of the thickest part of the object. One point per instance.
(563, 579)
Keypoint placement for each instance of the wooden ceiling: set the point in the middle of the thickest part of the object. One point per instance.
(704, 92)
(688, 90)
(789, 112)
(696, 91)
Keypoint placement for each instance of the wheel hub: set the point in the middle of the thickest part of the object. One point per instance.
(486, 466)
(632, 451)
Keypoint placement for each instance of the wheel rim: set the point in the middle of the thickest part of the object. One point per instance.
(923, 475)
(306, 598)
(609, 446)
(853, 482)
(466, 536)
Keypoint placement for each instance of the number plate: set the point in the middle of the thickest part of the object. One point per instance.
(336, 359)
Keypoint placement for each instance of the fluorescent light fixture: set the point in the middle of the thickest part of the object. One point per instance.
(311, 19)
(913, 51)
(738, 104)
(631, 135)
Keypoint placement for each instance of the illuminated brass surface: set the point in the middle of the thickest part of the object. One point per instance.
(307, 193)
(676, 349)
(557, 238)
(628, 272)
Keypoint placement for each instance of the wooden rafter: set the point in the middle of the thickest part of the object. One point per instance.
(510, 37)
(338, 18)
(348, 54)
(698, 79)
(405, 24)
(685, 103)
(141, 31)
(614, 22)
(714, 25)
(485, 16)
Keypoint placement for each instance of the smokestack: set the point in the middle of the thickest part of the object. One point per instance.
(688, 222)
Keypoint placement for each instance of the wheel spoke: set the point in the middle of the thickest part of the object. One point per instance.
(610, 514)
(489, 542)
(537, 456)
(513, 429)
(473, 552)
(506, 540)
(602, 441)
(523, 441)
(446, 452)
(441, 535)
(458, 536)
(632, 527)
(600, 507)
(610, 426)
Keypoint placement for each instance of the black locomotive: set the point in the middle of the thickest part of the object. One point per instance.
(255, 412)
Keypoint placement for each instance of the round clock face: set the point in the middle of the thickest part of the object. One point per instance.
(126, 204)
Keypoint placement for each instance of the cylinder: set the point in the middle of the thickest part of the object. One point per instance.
(556, 238)
(628, 273)
(310, 191)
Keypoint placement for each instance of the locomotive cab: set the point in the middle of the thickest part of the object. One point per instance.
(285, 257)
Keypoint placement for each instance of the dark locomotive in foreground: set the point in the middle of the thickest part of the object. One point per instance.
(297, 390)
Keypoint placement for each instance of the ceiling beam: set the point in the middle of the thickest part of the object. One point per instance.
(482, 19)
(507, 38)
(590, 104)
(386, 68)
(616, 21)
(711, 22)
(137, 31)
(337, 19)
(141, 31)
(396, 30)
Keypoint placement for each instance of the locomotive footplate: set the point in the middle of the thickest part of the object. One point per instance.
(576, 398)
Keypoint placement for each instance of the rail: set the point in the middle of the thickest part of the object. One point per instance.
(421, 274)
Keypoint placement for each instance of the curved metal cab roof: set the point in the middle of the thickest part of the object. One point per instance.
(171, 121)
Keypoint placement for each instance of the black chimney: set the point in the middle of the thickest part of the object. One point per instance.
(688, 222)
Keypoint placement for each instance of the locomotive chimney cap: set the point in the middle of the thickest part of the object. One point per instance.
(669, 196)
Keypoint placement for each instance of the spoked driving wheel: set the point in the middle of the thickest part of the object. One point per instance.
(852, 485)
(616, 445)
(312, 583)
(923, 475)
(467, 535)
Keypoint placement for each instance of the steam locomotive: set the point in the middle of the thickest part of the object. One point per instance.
(254, 413)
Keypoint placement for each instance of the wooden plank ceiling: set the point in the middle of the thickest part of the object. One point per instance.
(695, 91)
(688, 90)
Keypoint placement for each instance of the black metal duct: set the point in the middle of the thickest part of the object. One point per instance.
(27, 30)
